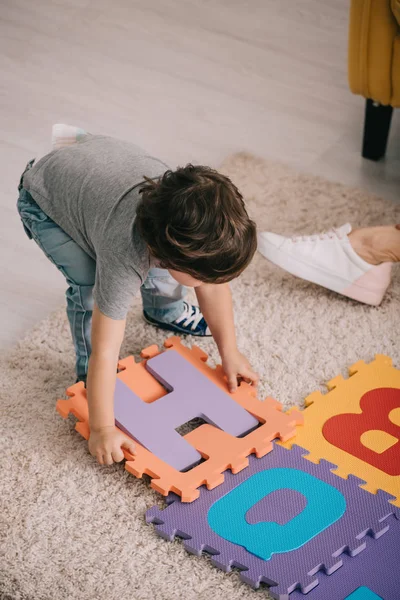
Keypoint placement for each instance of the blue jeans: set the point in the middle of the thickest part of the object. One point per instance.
(162, 296)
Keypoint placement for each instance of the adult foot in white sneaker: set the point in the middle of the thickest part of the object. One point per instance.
(357, 264)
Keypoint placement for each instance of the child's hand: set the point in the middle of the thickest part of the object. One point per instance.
(237, 366)
(106, 445)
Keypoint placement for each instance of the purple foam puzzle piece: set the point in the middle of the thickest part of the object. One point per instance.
(365, 514)
(377, 568)
(191, 394)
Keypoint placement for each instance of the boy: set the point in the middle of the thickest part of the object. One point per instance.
(115, 220)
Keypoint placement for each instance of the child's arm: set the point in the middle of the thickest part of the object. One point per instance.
(105, 440)
(216, 305)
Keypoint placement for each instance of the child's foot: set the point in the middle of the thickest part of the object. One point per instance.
(65, 135)
(191, 322)
(330, 260)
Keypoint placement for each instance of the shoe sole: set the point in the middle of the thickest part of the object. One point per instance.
(340, 286)
(170, 327)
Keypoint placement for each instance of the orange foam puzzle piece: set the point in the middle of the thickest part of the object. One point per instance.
(326, 415)
(220, 450)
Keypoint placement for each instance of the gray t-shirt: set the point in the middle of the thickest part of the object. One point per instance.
(91, 190)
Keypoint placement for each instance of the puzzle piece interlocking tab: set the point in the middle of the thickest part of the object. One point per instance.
(356, 425)
(219, 450)
(371, 575)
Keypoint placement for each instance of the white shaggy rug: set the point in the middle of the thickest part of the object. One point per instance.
(73, 530)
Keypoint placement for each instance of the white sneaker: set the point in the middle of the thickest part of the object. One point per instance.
(328, 259)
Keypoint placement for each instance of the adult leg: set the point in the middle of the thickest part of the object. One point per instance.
(377, 245)
(77, 267)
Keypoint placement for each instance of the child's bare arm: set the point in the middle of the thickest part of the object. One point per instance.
(105, 440)
(216, 305)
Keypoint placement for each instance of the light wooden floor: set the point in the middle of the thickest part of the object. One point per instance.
(191, 80)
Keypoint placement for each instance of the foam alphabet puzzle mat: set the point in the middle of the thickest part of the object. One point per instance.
(306, 502)
(190, 394)
(217, 449)
(336, 518)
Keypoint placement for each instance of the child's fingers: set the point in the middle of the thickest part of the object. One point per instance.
(250, 376)
(107, 459)
(232, 382)
(129, 445)
(117, 455)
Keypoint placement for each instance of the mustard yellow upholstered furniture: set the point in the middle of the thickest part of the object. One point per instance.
(374, 67)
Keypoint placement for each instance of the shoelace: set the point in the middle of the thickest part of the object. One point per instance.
(325, 235)
(191, 315)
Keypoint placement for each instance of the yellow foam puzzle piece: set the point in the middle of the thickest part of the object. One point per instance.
(344, 397)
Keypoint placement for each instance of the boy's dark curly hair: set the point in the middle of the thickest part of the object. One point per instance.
(194, 220)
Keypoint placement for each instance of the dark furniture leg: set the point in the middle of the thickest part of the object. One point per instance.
(376, 129)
